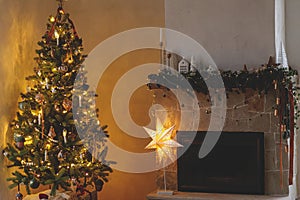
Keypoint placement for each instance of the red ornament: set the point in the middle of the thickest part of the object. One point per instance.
(43, 196)
(39, 98)
(67, 104)
(20, 142)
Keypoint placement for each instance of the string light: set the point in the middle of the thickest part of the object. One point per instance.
(52, 19)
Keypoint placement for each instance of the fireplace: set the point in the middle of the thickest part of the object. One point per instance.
(235, 165)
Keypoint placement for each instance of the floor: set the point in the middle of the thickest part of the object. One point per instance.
(211, 196)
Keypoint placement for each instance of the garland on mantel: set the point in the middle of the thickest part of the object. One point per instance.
(263, 80)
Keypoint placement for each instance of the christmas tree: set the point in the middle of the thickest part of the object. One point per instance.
(51, 146)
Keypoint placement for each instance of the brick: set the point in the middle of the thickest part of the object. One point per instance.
(236, 125)
(255, 101)
(285, 157)
(271, 160)
(260, 123)
(270, 101)
(272, 183)
(274, 124)
(270, 142)
(235, 98)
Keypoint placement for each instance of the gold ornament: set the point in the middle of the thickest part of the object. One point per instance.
(63, 69)
(60, 156)
(57, 106)
(69, 58)
(70, 61)
(51, 133)
(67, 104)
(39, 98)
(52, 19)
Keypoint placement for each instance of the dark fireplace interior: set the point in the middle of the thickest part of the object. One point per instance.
(235, 165)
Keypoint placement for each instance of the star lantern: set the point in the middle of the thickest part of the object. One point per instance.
(162, 141)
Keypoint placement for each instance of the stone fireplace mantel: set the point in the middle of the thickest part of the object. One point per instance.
(246, 111)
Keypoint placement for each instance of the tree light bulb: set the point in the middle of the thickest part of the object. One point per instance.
(48, 146)
(52, 19)
(65, 132)
(65, 135)
(56, 35)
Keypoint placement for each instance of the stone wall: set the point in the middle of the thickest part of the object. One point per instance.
(248, 111)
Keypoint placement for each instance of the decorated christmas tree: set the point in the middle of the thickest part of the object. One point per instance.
(51, 146)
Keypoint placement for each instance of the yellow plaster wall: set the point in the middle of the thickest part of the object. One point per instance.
(22, 24)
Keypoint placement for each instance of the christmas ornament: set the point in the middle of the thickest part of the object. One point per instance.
(34, 183)
(67, 104)
(52, 133)
(19, 196)
(70, 60)
(43, 196)
(19, 139)
(52, 19)
(183, 66)
(24, 106)
(99, 185)
(39, 98)
(57, 106)
(63, 68)
(5, 152)
(53, 89)
(60, 156)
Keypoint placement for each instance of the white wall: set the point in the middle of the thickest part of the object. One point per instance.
(234, 32)
(293, 32)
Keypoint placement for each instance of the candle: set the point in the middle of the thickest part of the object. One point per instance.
(47, 85)
(39, 118)
(161, 36)
(79, 99)
(46, 155)
(56, 35)
(65, 135)
(46, 151)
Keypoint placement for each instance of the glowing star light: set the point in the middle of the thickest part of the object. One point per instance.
(162, 141)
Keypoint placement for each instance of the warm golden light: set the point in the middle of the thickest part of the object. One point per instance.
(28, 140)
(52, 19)
(56, 35)
(162, 141)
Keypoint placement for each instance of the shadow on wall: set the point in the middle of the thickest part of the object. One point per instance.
(16, 53)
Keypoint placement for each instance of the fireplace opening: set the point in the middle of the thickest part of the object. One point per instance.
(235, 164)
